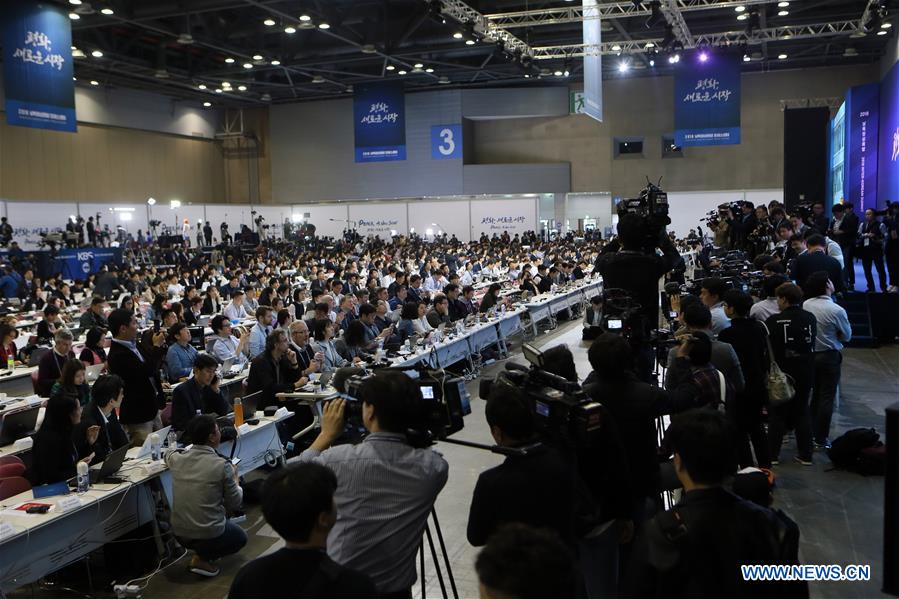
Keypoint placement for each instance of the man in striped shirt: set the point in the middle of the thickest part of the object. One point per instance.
(386, 488)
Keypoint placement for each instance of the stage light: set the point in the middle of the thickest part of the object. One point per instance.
(566, 73)
(742, 17)
(783, 13)
(429, 70)
(107, 11)
(289, 30)
(268, 22)
(241, 88)
(207, 104)
(782, 56)
(886, 25)
(74, 16)
(275, 62)
(97, 54)
(418, 65)
(401, 72)
(248, 65)
(740, 8)
(94, 82)
(882, 32)
(469, 42)
(616, 48)
(151, 201)
(201, 86)
(622, 67)
(75, 2)
(783, 4)
(652, 62)
(324, 26)
(229, 60)
(457, 35)
(746, 58)
(674, 58)
(258, 57)
(305, 18)
(390, 67)
(703, 57)
(218, 90)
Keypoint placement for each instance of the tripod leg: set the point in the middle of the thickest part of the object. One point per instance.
(449, 570)
(421, 570)
(436, 563)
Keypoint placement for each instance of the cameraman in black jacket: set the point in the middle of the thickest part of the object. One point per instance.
(637, 271)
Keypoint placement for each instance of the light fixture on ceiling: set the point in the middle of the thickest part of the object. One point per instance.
(674, 58)
(566, 73)
(649, 45)
(369, 49)
(174, 204)
(161, 74)
(74, 16)
(318, 79)
(616, 48)
(269, 22)
(207, 104)
(558, 73)
(77, 53)
(740, 8)
(94, 82)
(248, 65)
(782, 56)
(623, 66)
(229, 60)
(429, 70)
(746, 58)
(97, 54)
(850, 52)
(218, 90)
(74, 78)
(469, 42)
(257, 57)
(75, 2)
(348, 89)
(652, 62)
(107, 11)
(703, 56)
(783, 4)
(886, 25)
(305, 18)
(266, 97)
(226, 84)
(458, 35)
(241, 88)
(151, 201)
(290, 29)
(390, 67)
(783, 13)
(401, 72)
(882, 32)
(185, 39)
(742, 17)
(275, 62)
(201, 86)
(324, 26)
(418, 65)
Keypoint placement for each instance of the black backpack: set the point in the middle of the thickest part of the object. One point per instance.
(858, 450)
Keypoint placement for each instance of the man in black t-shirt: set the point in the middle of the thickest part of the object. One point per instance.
(298, 502)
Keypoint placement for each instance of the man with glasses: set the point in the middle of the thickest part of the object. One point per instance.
(308, 360)
(226, 345)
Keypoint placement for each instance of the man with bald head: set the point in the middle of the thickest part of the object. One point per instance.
(307, 360)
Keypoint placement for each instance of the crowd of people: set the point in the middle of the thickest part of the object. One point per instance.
(551, 518)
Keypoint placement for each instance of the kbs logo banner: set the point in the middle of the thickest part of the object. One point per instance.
(77, 264)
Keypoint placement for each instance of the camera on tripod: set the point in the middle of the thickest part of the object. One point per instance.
(620, 312)
(652, 206)
(562, 411)
(444, 403)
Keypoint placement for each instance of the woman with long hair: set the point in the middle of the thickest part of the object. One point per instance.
(8, 334)
(55, 455)
(93, 352)
(72, 382)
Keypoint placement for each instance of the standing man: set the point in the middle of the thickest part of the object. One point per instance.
(207, 233)
(793, 334)
(844, 227)
(143, 398)
(833, 332)
(91, 231)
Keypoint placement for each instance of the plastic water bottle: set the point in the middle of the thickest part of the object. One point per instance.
(172, 440)
(84, 480)
(155, 446)
(238, 411)
(10, 363)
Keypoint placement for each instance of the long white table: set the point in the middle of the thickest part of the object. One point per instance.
(43, 543)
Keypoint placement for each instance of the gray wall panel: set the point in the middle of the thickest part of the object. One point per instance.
(517, 178)
(514, 103)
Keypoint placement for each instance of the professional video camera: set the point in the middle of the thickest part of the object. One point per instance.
(803, 211)
(620, 313)
(445, 402)
(563, 412)
(652, 207)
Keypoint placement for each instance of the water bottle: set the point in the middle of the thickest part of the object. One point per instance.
(84, 480)
(172, 440)
(238, 411)
(10, 363)
(155, 446)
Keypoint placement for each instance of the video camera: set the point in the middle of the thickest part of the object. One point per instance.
(620, 313)
(445, 402)
(652, 206)
(562, 411)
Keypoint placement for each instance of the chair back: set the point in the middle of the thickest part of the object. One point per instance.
(12, 486)
(34, 382)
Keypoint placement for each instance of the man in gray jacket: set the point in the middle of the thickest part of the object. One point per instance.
(698, 318)
(204, 489)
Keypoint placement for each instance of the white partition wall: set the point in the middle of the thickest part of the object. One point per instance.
(451, 216)
(30, 219)
(686, 208)
(329, 219)
(589, 205)
(496, 216)
(379, 218)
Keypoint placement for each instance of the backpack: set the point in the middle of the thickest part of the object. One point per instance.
(859, 450)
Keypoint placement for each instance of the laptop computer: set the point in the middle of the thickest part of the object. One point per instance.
(92, 373)
(110, 466)
(17, 424)
(139, 453)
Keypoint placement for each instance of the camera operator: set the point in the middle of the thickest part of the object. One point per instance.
(696, 548)
(382, 479)
(741, 225)
(636, 271)
(817, 220)
(521, 488)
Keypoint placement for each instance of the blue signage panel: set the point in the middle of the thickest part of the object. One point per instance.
(592, 61)
(446, 142)
(888, 140)
(78, 263)
(860, 161)
(379, 116)
(37, 66)
(707, 100)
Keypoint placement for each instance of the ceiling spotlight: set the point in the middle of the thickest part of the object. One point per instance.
(566, 72)
(369, 49)
(882, 32)
(783, 4)
(201, 86)
(782, 56)
(151, 201)
(390, 67)
(74, 78)
(218, 90)
(318, 79)
(229, 60)
(94, 82)
(742, 17)
(418, 65)
(248, 65)
(886, 25)
(226, 84)
(429, 70)
(469, 42)
(266, 97)
(268, 22)
(443, 80)
(783, 13)
(674, 58)
(107, 11)
(652, 62)
(740, 8)
(289, 29)
(746, 58)
(703, 57)
(324, 26)
(207, 104)
(305, 18)
(558, 73)
(457, 35)
(649, 45)
(241, 88)
(401, 72)
(75, 2)
(77, 53)
(616, 48)
(275, 62)
(257, 57)
(349, 89)
(97, 54)
(622, 67)
(74, 16)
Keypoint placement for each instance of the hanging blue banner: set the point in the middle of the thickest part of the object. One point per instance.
(592, 60)
(888, 140)
(78, 263)
(379, 116)
(707, 100)
(860, 161)
(37, 66)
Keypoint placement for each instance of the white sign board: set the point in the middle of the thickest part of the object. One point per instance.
(379, 219)
(496, 216)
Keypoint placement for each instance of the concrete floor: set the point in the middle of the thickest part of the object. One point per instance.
(840, 514)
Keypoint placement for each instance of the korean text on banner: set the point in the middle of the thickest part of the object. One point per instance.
(37, 66)
(707, 100)
(592, 61)
(379, 116)
(860, 162)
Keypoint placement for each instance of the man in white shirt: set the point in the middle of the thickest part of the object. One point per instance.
(249, 301)
(434, 283)
(833, 332)
(174, 289)
(235, 310)
(713, 290)
(260, 331)
(467, 277)
(767, 307)
(226, 345)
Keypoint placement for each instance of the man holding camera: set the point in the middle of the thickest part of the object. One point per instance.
(386, 487)
(637, 271)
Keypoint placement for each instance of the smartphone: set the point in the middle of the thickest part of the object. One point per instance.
(156, 325)
(672, 313)
(235, 461)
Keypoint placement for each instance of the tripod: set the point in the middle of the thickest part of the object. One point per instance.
(421, 554)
